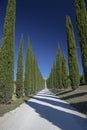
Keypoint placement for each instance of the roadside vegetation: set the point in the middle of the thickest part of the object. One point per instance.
(65, 79)
(29, 78)
(77, 98)
(4, 108)
(16, 102)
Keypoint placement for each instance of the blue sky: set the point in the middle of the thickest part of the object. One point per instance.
(44, 22)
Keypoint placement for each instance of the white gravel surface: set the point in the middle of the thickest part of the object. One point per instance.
(44, 112)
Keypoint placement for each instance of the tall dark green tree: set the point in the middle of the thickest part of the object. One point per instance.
(33, 78)
(64, 73)
(59, 68)
(35, 73)
(39, 78)
(40, 81)
(7, 54)
(51, 78)
(31, 67)
(19, 80)
(81, 20)
(72, 55)
(48, 84)
(54, 75)
(27, 80)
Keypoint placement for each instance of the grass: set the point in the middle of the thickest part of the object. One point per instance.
(77, 98)
(16, 102)
(4, 108)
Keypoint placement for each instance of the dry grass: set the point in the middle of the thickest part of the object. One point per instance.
(4, 108)
(77, 98)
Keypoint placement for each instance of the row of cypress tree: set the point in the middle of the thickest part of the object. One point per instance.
(81, 22)
(33, 80)
(56, 78)
(59, 73)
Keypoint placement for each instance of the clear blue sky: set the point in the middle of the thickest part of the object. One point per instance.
(44, 22)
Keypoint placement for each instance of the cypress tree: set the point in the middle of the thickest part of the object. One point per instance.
(72, 55)
(38, 83)
(48, 82)
(28, 71)
(41, 80)
(54, 75)
(38, 79)
(19, 80)
(26, 80)
(51, 78)
(81, 20)
(59, 69)
(33, 78)
(51, 81)
(1, 93)
(7, 51)
(31, 67)
(64, 73)
(35, 73)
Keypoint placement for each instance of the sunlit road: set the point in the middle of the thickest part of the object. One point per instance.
(44, 112)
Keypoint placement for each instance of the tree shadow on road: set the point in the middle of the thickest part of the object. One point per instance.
(56, 103)
(50, 96)
(81, 106)
(61, 119)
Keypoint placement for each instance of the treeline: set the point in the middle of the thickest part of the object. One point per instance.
(32, 80)
(59, 77)
(59, 73)
(26, 83)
